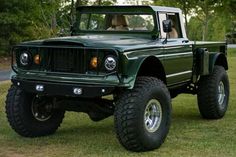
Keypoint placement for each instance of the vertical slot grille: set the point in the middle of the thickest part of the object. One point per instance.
(67, 60)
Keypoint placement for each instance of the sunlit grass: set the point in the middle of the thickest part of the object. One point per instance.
(232, 52)
(190, 135)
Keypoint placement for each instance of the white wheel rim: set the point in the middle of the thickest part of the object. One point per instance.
(153, 115)
(221, 94)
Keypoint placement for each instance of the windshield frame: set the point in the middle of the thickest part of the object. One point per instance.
(77, 29)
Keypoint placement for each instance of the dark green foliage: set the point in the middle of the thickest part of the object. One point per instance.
(194, 29)
(36, 19)
(24, 20)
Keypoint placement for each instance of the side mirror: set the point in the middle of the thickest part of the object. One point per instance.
(167, 26)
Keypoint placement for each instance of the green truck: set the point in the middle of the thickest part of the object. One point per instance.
(126, 61)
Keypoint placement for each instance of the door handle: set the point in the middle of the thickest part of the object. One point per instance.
(185, 41)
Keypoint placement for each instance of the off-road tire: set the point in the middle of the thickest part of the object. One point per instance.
(129, 115)
(207, 95)
(21, 119)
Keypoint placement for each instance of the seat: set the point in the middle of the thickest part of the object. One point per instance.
(119, 23)
(173, 33)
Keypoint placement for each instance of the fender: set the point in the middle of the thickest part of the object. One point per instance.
(217, 59)
(133, 68)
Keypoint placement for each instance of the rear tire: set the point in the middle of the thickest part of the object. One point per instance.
(213, 94)
(27, 116)
(143, 115)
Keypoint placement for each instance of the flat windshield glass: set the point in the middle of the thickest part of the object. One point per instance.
(116, 22)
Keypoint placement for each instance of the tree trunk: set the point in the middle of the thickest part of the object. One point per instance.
(205, 28)
(78, 3)
(206, 21)
(99, 2)
(185, 15)
(72, 12)
(54, 21)
(203, 32)
(53, 17)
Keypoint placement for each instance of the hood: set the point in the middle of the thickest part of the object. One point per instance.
(97, 41)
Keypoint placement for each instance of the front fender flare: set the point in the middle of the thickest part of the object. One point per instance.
(135, 65)
(131, 70)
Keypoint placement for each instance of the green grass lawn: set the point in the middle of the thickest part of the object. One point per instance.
(190, 135)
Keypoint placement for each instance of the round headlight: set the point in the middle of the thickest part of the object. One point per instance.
(110, 63)
(24, 58)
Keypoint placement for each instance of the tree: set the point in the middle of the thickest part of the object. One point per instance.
(20, 20)
(209, 15)
(186, 5)
(231, 6)
(205, 11)
(194, 33)
(139, 2)
(26, 20)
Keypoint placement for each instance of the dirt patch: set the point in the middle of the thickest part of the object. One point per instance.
(11, 153)
(5, 63)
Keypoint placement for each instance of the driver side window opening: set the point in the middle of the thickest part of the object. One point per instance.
(176, 27)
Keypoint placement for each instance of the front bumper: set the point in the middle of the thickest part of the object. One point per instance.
(63, 89)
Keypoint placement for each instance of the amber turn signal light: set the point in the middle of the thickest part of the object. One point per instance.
(94, 62)
(37, 59)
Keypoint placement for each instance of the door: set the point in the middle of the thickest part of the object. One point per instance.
(178, 55)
